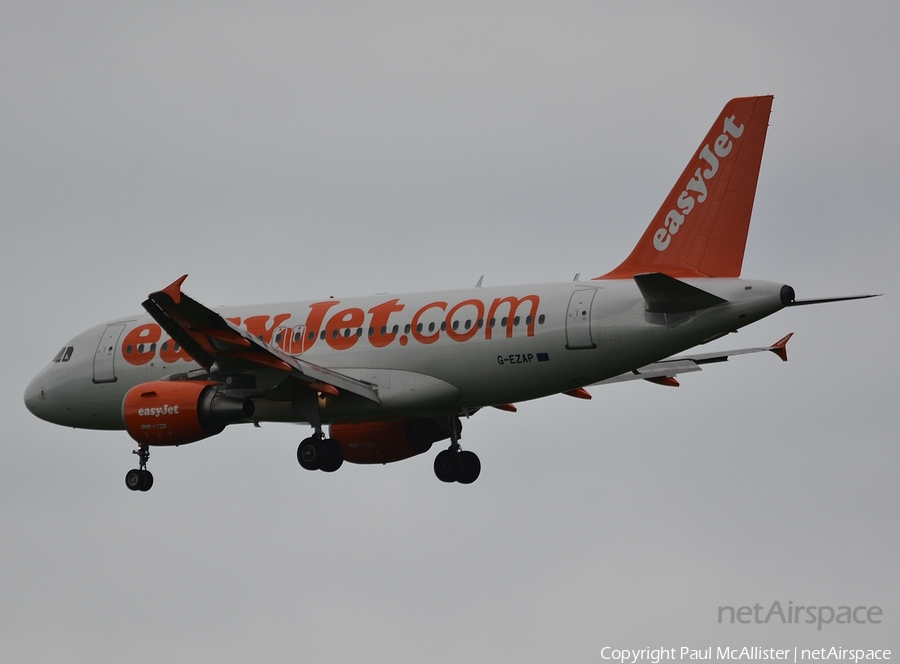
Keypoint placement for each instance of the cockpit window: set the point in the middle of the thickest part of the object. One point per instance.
(64, 355)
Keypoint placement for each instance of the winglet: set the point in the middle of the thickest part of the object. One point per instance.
(701, 228)
(780, 347)
(173, 290)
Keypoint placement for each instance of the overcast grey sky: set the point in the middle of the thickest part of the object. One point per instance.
(278, 151)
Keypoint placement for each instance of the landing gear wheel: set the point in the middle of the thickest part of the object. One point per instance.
(471, 467)
(447, 466)
(138, 480)
(334, 457)
(134, 479)
(310, 453)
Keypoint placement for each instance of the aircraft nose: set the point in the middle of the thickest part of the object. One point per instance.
(36, 396)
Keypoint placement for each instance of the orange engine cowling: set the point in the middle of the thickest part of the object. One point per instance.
(179, 412)
(384, 442)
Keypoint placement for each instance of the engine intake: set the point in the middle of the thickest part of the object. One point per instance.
(180, 412)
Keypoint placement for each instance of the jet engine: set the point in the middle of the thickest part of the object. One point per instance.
(384, 442)
(180, 412)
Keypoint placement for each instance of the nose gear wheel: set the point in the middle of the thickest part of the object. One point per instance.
(140, 479)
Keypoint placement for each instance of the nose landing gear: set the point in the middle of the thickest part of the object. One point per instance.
(140, 479)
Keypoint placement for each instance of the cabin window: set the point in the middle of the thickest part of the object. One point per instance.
(541, 319)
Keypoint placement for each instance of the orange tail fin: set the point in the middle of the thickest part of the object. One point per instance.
(701, 228)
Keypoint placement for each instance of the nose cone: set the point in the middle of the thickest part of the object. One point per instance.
(36, 396)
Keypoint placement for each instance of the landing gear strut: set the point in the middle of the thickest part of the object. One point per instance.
(316, 452)
(140, 479)
(455, 465)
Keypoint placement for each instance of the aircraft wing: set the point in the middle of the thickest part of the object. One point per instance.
(664, 371)
(213, 341)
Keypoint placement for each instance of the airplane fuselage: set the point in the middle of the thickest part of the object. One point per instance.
(427, 354)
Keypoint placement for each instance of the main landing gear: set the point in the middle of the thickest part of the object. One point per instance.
(320, 453)
(455, 465)
(140, 479)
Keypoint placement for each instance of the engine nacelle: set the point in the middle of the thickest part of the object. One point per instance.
(384, 442)
(179, 412)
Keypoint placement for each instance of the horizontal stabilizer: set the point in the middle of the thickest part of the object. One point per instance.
(665, 295)
(664, 371)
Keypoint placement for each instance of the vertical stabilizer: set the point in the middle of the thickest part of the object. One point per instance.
(701, 228)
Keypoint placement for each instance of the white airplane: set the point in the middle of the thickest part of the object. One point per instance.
(391, 375)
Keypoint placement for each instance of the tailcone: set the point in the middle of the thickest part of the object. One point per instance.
(787, 296)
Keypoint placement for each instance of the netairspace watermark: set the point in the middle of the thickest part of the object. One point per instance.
(795, 615)
(795, 655)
